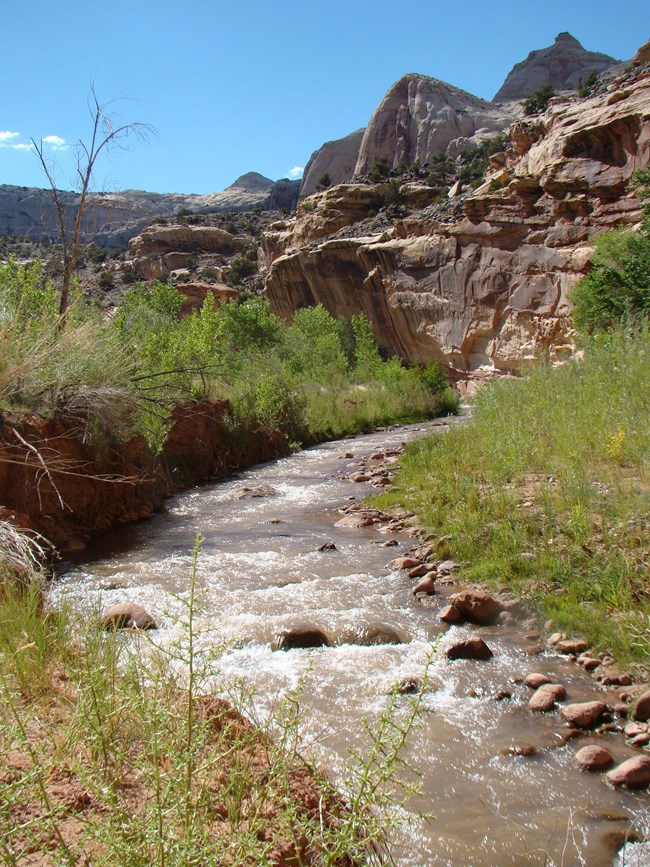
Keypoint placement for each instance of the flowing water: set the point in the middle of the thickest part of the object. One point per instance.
(260, 574)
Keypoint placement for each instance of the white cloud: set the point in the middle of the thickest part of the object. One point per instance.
(296, 172)
(23, 146)
(7, 136)
(55, 142)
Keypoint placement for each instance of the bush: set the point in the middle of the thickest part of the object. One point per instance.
(617, 289)
(240, 268)
(380, 171)
(537, 102)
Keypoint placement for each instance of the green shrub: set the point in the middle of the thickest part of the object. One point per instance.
(617, 289)
(240, 268)
(537, 102)
(380, 171)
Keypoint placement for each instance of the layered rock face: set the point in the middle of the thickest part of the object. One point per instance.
(158, 250)
(114, 218)
(562, 65)
(485, 289)
(419, 117)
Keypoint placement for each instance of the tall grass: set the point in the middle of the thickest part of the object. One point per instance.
(546, 489)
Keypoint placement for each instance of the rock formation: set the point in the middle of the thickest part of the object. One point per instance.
(562, 65)
(420, 116)
(336, 159)
(480, 284)
(114, 218)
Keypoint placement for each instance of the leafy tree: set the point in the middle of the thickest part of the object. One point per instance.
(380, 171)
(324, 181)
(240, 268)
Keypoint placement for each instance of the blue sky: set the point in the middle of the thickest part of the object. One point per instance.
(232, 86)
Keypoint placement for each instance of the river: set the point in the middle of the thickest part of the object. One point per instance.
(260, 573)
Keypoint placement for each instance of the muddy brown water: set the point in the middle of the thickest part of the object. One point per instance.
(260, 574)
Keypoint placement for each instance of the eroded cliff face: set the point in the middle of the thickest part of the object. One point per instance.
(480, 285)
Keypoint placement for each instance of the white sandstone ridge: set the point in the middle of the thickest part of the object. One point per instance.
(114, 218)
(421, 116)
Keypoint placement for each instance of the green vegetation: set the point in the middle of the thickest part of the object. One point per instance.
(545, 490)
(475, 163)
(537, 102)
(586, 88)
(111, 757)
(617, 289)
(240, 268)
(315, 378)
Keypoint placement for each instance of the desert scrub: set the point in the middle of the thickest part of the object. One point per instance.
(545, 489)
(114, 752)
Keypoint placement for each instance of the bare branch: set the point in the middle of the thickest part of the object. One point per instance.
(39, 457)
(105, 133)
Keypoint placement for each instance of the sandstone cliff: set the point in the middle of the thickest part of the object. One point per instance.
(335, 158)
(114, 218)
(480, 284)
(420, 116)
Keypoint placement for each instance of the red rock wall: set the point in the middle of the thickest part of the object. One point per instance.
(64, 488)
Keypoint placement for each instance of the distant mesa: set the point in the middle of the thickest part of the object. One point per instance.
(252, 182)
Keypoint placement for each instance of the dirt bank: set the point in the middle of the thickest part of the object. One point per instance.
(55, 481)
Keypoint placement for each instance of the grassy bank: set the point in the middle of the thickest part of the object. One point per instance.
(313, 378)
(546, 490)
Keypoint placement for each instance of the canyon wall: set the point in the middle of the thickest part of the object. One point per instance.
(480, 283)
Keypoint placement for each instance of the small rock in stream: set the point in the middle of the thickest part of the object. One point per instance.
(426, 585)
(128, 615)
(633, 773)
(251, 493)
(477, 606)
(593, 758)
(301, 638)
(642, 708)
(545, 698)
(328, 546)
(585, 714)
(536, 679)
(470, 648)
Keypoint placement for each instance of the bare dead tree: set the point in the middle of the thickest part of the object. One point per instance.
(107, 132)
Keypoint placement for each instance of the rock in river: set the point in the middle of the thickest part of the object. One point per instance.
(477, 606)
(301, 637)
(471, 648)
(544, 698)
(584, 715)
(128, 615)
(593, 758)
(633, 773)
